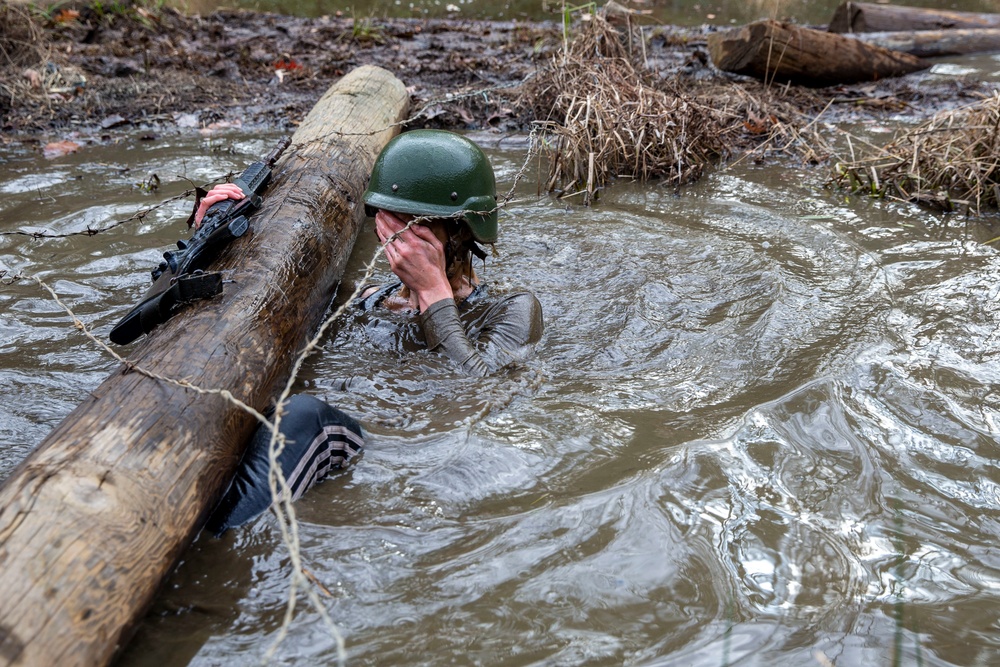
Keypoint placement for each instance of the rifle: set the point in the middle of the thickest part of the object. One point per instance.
(181, 278)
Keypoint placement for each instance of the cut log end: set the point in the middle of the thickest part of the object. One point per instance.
(844, 18)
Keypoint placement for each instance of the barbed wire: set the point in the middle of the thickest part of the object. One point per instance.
(141, 215)
(8, 278)
(301, 579)
(137, 216)
(425, 109)
(281, 495)
(132, 366)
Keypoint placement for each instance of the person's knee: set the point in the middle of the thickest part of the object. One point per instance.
(300, 408)
(317, 437)
(298, 402)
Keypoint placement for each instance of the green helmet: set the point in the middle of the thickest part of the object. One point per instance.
(435, 173)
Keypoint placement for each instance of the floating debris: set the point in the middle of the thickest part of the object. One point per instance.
(114, 120)
(218, 126)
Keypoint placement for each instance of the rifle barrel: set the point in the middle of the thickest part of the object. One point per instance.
(273, 156)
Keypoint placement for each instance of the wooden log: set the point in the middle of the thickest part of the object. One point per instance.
(935, 43)
(95, 518)
(870, 17)
(781, 52)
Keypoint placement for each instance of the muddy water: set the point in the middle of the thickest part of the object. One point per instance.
(761, 428)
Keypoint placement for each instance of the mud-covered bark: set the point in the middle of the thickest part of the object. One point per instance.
(96, 517)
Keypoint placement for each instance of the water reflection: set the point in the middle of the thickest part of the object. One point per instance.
(761, 428)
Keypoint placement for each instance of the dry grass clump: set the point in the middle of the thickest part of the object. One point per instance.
(608, 115)
(605, 119)
(20, 38)
(949, 162)
(22, 46)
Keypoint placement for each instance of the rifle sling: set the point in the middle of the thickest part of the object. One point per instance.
(159, 307)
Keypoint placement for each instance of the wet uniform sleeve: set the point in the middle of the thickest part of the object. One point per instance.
(499, 337)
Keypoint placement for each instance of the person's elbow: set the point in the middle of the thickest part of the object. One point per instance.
(527, 310)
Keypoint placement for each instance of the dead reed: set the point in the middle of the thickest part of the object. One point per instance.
(950, 162)
(22, 47)
(20, 37)
(606, 114)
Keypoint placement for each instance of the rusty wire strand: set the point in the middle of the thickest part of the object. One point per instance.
(137, 216)
(9, 278)
(281, 495)
(132, 366)
(422, 112)
(140, 215)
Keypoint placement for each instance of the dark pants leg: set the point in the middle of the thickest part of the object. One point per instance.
(318, 438)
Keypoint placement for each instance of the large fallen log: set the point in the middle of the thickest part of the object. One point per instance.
(95, 518)
(780, 52)
(934, 43)
(870, 17)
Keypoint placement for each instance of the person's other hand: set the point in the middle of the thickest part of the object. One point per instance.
(416, 256)
(220, 192)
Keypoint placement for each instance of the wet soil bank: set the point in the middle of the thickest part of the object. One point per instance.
(257, 69)
(89, 71)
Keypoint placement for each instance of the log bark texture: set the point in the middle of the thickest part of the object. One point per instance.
(780, 52)
(95, 518)
(935, 43)
(870, 17)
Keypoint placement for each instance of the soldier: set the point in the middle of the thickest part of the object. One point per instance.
(433, 196)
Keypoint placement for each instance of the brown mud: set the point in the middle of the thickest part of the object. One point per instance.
(255, 69)
(78, 69)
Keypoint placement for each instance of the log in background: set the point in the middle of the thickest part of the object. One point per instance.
(781, 52)
(98, 515)
(872, 17)
(934, 43)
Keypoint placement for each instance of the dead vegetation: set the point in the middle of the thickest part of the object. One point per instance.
(21, 48)
(21, 42)
(36, 71)
(951, 162)
(611, 99)
(606, 114)
(148, 65)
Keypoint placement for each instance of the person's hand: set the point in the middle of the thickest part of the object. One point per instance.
(416, 256)
(220, 192)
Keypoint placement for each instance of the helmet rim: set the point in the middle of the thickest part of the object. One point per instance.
(405, 179)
